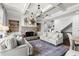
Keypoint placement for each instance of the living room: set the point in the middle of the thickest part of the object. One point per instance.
(39, 29)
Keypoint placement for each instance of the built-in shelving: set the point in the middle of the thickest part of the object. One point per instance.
(13, 26)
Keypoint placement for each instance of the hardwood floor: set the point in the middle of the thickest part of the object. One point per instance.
(66, 42)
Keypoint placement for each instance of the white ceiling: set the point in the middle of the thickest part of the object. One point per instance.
(15, 6)
(18, 9)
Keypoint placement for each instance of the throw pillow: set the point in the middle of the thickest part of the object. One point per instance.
(11, 43)
(20, 40)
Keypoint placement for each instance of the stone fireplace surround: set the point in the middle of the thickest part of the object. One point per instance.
(25, 29)
(30, 35)
(29, 32)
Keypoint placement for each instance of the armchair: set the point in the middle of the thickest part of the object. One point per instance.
(24, 49)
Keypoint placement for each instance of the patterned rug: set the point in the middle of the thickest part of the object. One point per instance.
(42, 48)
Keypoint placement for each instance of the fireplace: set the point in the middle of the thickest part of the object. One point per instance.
(25, 29)
(30, 33)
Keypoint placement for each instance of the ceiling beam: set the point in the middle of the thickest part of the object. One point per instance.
(48, 8)
(61, 13)
(60, 6)
(27, 7)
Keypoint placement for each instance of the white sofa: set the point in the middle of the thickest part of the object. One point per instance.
(52, 37)
(24, 49)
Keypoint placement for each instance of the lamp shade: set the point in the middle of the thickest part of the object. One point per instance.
(3, 28)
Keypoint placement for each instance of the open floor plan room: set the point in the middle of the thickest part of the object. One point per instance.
(39, 29)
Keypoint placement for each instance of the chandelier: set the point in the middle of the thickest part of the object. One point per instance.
(39, 12)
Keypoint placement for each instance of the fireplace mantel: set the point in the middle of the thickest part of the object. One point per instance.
(28, 28)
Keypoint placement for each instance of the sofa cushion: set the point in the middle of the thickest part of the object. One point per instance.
(11, 43)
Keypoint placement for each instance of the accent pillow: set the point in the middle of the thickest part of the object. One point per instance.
(20, 40)
(11, 43)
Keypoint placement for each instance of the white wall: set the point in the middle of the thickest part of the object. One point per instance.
(75, 26)
(60, 24)
(1, 14)
(68, 29)
(5, 20)
(13, 15)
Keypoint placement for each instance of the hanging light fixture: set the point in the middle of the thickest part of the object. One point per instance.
(39, 11)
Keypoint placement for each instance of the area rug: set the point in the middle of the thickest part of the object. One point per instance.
(42, 48)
